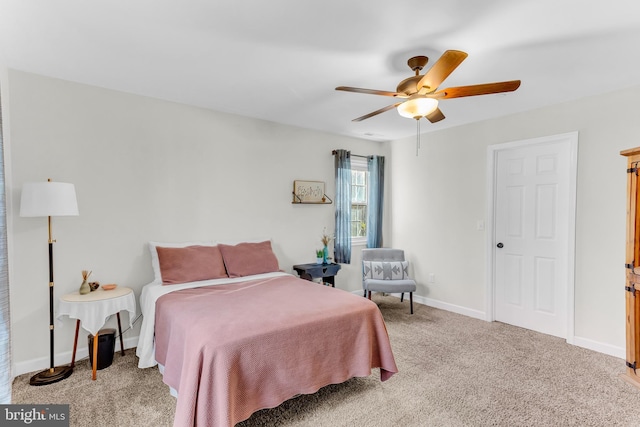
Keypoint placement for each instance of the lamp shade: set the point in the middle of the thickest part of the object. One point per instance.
(417, 106)
(48, 199)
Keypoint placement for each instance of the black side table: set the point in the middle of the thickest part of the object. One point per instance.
(314, 271)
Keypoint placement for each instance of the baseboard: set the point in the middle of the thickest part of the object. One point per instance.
(64, 358)
(469, 312)
(476, 314)
(609, 349)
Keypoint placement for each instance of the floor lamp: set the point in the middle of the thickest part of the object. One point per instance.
(49, 199)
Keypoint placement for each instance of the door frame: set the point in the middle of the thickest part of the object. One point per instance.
(492, 153)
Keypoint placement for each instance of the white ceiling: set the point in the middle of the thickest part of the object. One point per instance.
(280, 60)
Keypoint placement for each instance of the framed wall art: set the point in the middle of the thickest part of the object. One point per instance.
(309, 192)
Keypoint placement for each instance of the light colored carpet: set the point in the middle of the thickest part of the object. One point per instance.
(454, 371)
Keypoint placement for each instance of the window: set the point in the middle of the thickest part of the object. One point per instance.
(359, 199)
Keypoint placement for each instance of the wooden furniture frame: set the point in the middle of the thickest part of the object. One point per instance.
(632, 265)
(94, 362)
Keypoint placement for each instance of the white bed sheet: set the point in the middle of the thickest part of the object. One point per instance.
(154, 290)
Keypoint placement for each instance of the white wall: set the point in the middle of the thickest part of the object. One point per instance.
(146, 169)
(438, 197)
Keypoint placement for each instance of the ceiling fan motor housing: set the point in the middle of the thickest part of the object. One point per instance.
(409, 86)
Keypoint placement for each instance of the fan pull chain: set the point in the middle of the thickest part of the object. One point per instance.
(418, 137)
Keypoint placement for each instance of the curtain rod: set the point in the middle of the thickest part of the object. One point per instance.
(354, 155)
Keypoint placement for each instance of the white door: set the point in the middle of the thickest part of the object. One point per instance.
(531, 235)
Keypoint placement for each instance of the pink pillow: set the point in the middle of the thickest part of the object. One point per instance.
(190, 264)
(245, 259)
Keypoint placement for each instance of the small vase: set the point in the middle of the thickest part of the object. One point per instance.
(84, 288)
(325, 255)
(319, 260)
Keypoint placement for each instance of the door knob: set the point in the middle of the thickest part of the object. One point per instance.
(500, 245)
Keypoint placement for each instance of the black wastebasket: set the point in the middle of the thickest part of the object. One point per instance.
(106, 347)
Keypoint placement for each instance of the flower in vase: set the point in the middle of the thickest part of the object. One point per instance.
(325, 237)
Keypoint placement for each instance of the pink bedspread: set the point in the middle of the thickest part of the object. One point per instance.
(230, 350)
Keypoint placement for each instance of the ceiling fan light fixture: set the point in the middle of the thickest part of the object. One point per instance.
(416, 107)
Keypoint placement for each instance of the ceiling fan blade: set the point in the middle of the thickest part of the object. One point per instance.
(435, 116)
(481, 89)
(444, 66)
(371, 91)
(375, 113)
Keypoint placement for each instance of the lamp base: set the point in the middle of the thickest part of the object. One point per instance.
(50, 376)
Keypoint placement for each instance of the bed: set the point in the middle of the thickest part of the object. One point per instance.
(252, 339)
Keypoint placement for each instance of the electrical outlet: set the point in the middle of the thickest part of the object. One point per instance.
(432, 278)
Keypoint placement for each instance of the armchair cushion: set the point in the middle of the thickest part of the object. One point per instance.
(389, 286)
(385, 270)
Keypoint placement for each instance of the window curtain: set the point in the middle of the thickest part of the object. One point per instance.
(376, 201)
(342, 242)
(5, 326)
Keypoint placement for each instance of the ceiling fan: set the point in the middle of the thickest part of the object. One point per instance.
(421, 92)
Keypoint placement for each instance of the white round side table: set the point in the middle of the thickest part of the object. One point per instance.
(92, 310)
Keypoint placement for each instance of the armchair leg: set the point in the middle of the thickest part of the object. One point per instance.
(401, 297)
(365, 293)
(411, 301)
(369, 292)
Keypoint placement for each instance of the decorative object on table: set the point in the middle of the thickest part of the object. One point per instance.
(326, 239)
(319, 256)
(310, 192)
(84, 287)
(109, 287)
(49, 199)
(94, 285)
